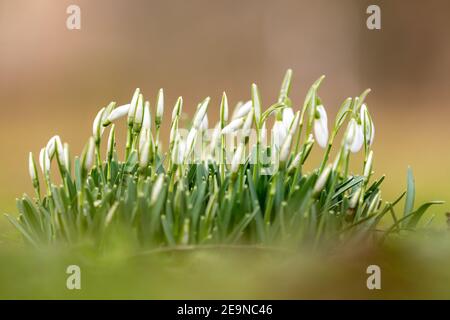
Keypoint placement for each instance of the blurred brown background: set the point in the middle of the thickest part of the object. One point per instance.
(53, 80)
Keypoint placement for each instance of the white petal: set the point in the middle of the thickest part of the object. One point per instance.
(233, 126)
(160, 104)
(31, 167)
(117, 113)
(321, 127)
(237, 158)
(358, 139)
(201, 112)
(243, 110)
(147, 121)
(288, 117)
(204, 124)
(279, 133)
(97, 128)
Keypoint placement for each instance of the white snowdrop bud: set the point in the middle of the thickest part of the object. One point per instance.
(147, 120)
(139, 114)
(256, 102)
(89, 155)
(97, 127)
(243, 110)
(59, 149)
(237, 158)
(204, 124)
(51, 147)
(133, 106)
(284, 153)
(322, 180)
(190, 140)
(358, 138)
(224, 109)
(288, 117)
(159, 107)
(32, 168)
(368, 165)
(176, 112)
(247, 126)
(321, 126)
(201, 112)
(44, 161)
(367, 123)
(233, 126)
(156, 189)
(117, 113)
(144, 153)
(66, 157)
(263, 134)
(279, 133)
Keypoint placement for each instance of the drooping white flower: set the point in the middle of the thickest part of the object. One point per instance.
(243, 110)
(358, 138)
(159, 107)
(117, 113)
(279, 133)
(321, 126)
(288, 117)
(233, 126)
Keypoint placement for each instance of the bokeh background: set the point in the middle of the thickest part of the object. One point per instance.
(54, 80)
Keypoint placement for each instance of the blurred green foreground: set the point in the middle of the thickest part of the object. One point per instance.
(410, 269)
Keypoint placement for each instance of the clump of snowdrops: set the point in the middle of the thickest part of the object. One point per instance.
(225, 185)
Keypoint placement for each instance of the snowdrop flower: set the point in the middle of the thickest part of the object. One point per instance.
(204, 123)
(237, 158)
(133, 106)
(279, 133)
(157, 188)
(111, 142)
(147, 120)
(144, 154)
(243, 110)
(178, 151)
(159, 107)
(288, 117)
(233, 126)
(139, 114)
(66, 157)
(321, 126)
(201, 112)
(215, 137)
(284, 153)
(190, 140)
(97, 128)
(247, 126)
(263, 134)
(367, 124)
(322, 180)
(176, 112)
(44, 161)
(256, 103)
(117, 113)
(51, 147)
(88, 155)
(368, 166)
(32, 170)
(224, 109)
